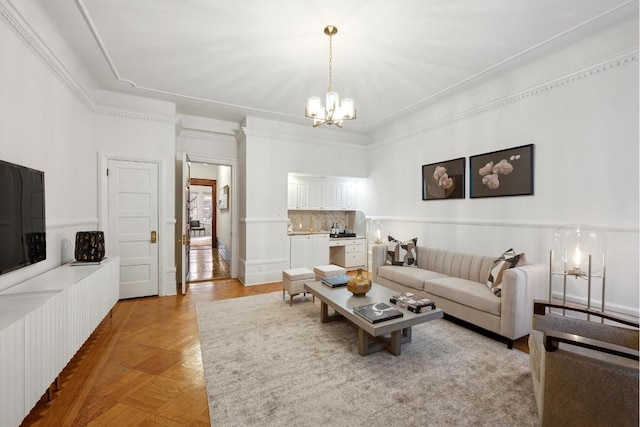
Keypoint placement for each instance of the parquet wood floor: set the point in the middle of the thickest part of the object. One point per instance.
(142, 366)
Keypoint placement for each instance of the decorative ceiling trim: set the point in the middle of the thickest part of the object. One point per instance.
(206, 135)
(304, 140)
(136, 115)
(42, 52)
(49, 59)
(416, 106)
(372, 126)
(623, 58)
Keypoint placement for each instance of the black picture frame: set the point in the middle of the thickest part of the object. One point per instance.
(501, 173)
(444, 180)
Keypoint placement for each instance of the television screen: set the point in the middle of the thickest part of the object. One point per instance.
(22, 218)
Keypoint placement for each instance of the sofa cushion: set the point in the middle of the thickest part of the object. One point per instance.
(508, 259)
(466, 292)
(402, 253)
(411, 277)
(467, 266)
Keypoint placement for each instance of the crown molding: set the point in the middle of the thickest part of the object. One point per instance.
(205, 135)
(39, 48)
(46, 56)
(623, 58)
(136, 115)
(301, 139)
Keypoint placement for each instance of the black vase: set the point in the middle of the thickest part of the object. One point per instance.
(89, 246)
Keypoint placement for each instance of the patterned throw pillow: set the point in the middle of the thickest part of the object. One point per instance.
(508, 259)
(402, 253)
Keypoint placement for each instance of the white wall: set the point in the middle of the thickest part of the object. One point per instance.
(45, 127)
(584, 124)
(268, 151)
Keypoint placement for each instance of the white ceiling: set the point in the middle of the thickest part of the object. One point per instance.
(228, 58)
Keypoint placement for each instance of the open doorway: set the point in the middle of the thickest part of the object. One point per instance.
(210, 240)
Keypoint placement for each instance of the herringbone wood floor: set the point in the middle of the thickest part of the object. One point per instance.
(140, 367)
(143, 366)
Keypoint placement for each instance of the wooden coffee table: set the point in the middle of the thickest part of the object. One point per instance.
(372, 337)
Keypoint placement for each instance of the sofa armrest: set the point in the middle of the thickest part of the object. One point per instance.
(378, 256)
(520, 286)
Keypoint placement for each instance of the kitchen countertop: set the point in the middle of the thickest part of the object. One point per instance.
(304, 232)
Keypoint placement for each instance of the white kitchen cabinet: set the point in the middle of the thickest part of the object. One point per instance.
(292, 195)
(304, 194)
(311, 193)
(347, 253)
(351, 197)
(309, 250)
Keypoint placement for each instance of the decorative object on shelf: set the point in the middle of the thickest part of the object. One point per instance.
(377, 312)
(578, 252)
(335, 112)
(90, 246)
(443, 180)
(223, 198)
(359, 285)
(502, 173)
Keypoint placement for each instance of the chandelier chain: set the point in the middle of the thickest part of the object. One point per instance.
(330, 62)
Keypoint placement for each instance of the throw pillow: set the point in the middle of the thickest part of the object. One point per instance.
(402, 253)
(508, 259)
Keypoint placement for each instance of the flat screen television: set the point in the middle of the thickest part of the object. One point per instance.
(22, 217)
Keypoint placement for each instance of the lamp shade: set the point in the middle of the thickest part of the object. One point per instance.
(572, 245)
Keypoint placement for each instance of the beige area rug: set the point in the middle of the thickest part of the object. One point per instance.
(268, 364)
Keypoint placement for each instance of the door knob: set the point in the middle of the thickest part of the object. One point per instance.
(154, 237)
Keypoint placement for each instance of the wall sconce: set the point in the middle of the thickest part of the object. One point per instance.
(578, 252)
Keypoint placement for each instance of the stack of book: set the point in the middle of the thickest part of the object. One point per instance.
(336, 281)
(412, 302)
(378, 312)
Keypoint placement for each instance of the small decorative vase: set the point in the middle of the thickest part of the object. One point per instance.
(359, 286)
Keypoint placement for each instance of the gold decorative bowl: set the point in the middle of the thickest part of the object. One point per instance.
(359, 285)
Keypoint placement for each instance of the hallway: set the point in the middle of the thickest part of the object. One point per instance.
(205, 263)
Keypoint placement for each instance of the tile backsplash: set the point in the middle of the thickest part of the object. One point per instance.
(322, 220)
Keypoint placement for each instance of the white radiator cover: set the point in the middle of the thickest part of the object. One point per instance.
(43, 323)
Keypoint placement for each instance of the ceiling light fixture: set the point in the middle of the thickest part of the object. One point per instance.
(335, 112)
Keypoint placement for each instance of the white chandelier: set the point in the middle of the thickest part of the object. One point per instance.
(335, 112)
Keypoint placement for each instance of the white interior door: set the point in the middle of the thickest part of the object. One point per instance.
(183, 175)
(133, 225)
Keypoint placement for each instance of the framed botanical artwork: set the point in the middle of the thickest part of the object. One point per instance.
(223, 198)
(502, 173)
(443, 180)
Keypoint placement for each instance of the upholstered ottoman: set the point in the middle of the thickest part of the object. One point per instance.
(328, 270)
(293, 281)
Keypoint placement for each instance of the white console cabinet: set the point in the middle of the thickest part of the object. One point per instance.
(43, 323)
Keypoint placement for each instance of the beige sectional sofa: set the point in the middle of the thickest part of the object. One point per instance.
(456, 282)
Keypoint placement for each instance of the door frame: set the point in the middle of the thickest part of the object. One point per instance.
(164, 238)
(233, 163)
(213, 183)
